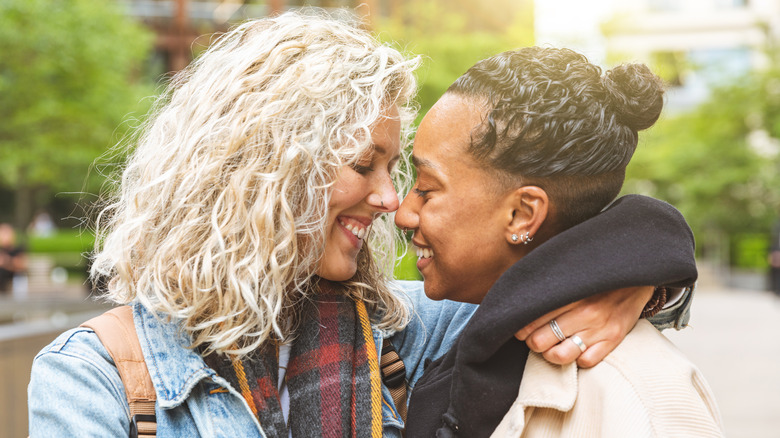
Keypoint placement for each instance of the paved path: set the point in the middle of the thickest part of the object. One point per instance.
(734, 338)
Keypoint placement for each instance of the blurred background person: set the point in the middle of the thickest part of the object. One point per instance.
(13, 258)
(774, 260)
(42, 225)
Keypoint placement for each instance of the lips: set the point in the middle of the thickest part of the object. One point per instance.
(424, 257)
(356, 229)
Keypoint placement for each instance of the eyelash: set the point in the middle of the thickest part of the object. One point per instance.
(362, 169)
(421, 193)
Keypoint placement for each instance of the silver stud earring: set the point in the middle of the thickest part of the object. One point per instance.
(515, 238)
(527, 238)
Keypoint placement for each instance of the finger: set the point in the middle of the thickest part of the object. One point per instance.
(595, 354)
(543, 339)
(564, 353)
(573, 320)
(540, 322)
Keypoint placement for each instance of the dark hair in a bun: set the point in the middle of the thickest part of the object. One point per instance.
(636, 93)
(554, 121)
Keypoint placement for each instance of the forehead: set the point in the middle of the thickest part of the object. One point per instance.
(446, 131)
(386, 133)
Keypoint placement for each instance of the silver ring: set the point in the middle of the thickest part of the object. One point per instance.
(557, 331)
(578, 342)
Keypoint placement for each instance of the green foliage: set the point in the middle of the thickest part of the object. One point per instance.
(406, 265)
(704, 164)
(449, 42)
(63, 241)
(750, 251)
(68, 77)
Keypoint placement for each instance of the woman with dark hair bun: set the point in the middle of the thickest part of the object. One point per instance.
(522, 159)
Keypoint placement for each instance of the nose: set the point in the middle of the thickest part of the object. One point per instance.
(384, 197)
(407, 216)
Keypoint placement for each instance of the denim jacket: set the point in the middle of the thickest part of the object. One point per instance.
(75, 389)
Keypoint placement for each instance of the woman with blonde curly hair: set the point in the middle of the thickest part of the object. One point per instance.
(250, 239)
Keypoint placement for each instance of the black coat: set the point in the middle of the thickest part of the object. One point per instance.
(637, 241)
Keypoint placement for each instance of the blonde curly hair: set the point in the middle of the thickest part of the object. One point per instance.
(222, 206)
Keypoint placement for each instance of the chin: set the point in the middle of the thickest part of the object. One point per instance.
(338, 274)
(345, 277)
(433, 292)
(439, 292)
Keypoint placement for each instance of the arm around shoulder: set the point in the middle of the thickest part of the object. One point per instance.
(75, 390)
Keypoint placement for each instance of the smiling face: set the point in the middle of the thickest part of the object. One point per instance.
(361, 192)
(458, 215)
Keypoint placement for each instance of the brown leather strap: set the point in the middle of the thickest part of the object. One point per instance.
(116, 331)
(394, 377)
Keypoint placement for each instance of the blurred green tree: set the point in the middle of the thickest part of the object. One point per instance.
(719, 164)
(452, 35)
(69, 75)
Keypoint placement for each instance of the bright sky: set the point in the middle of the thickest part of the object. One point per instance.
(573, 24)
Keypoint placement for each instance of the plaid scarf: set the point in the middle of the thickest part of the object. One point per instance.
(333, 375)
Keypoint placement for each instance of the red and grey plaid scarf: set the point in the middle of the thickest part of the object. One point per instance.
(333, 375)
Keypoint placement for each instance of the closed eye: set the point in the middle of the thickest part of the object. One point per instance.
(421, 193)
(362, 169)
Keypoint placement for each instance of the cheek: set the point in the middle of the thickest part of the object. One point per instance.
(347, 192)
(444, 220)
(461, 229)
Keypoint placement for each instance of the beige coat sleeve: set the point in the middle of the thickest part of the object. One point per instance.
(645, 388)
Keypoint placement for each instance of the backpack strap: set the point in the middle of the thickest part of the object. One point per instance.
(394, 376)
(116, 331)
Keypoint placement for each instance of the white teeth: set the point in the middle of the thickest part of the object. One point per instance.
(424, 253)
(359, 231)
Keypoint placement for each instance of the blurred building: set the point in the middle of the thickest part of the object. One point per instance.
(696, 43)
(184, 26)
(693, 44)
(179, 24)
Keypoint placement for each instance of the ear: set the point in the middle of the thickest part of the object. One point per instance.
(529, 206)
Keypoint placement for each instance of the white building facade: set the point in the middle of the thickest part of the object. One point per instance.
(694, 44)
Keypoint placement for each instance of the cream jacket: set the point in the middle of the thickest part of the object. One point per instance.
(645, 388)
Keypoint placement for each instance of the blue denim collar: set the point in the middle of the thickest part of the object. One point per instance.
(174, 368)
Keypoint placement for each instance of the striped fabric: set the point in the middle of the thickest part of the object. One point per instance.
(333, 375)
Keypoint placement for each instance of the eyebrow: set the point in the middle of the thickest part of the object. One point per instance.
(383, 151)
(422, 162)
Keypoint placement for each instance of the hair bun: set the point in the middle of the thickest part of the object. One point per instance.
(636, 93)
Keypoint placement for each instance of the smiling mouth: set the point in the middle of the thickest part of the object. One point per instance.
(359, 230)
